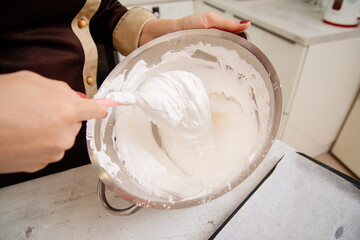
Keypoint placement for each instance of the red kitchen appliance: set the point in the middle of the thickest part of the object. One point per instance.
(342, 13)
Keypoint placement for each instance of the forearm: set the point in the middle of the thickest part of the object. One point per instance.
(157, 27)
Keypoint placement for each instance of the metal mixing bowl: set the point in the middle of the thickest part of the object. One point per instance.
(151, 52)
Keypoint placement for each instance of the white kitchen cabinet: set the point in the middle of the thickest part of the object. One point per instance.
(319, 83)
(327, 87)
(347, 145)
(320, 75)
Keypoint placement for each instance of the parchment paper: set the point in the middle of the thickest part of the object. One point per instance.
(300, 200)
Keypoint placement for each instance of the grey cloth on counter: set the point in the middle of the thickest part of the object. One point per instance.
(300, 200)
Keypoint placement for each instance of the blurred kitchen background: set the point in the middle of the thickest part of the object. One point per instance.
(314, 46)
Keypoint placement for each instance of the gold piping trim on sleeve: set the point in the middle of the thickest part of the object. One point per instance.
(127, 32)
(80, 26)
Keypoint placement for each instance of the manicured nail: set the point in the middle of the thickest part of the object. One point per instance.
(106, 115)
(245, 21)
(83, 95)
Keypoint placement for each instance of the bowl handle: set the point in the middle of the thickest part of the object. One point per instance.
(116, 211)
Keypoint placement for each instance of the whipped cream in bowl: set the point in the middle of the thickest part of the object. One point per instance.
(208, 109)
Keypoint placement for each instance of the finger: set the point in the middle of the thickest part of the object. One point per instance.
(33, 167)
(89, 109)
(108, 102)
(213, 20)
(82, 95)
(222, 23)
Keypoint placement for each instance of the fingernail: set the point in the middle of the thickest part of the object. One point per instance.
(105, 115)
(83, 95)
(245, 21)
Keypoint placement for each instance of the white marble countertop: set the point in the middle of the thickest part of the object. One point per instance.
(65, 206)
(291, 19)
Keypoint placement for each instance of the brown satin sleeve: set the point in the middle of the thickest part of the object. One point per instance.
(127, 32)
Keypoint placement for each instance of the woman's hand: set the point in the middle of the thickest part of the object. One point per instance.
(39, 120)
(158, 27)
